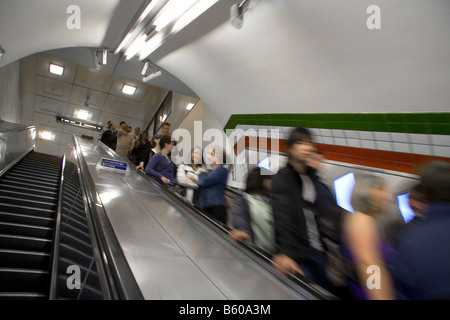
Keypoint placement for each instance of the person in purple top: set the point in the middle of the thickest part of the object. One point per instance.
(160, 166)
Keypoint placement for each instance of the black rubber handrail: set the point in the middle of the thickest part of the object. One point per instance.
(56, 238)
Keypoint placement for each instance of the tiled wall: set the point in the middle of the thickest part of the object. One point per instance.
(398, 142)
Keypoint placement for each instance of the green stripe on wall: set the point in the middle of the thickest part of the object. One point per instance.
(428, 123)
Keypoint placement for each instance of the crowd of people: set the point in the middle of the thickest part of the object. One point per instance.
(293, 218)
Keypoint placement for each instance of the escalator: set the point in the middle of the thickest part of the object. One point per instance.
(28, 205)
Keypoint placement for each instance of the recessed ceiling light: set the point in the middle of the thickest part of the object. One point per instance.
(190, 106)
(55, 69)
(127, 89)
(46, 135)
(83, 114)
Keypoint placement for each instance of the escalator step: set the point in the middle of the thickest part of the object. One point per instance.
(32, 177)
(24, 259)
(6, 207)
(26, 183)
(23, 280)
(22, 296)
(48, 185)
(24, 188)
(27, 196)
(38, 170)
(14, 200)
(26, 219)
(14, 242)
(25, 230)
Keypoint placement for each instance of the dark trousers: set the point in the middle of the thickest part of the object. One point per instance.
(217, 212)
(315, 271)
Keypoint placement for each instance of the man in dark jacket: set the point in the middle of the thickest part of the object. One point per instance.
(298, 200)
(109, 137)
(421, 269)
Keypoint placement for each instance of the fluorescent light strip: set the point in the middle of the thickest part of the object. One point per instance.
(152, 76)
(193, 13)
(135, 47)
(151, 45)
(171, 11)
(55, 69)
(144, 14)
(144, 70)
(105, 56)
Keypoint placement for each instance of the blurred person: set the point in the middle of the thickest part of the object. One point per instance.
(140, 148)
(165, 129)
(421, 268)
(137, 133)
(417, 202)
(109, 137)
(252, 214)
(330, 226)
(297, 203)
(150, 152)
(362, 244)
(124, 140)
(161, 166)
(187, 177)
(213, 184)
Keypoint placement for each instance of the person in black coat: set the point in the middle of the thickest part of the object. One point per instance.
(109, 137)
(298, 201)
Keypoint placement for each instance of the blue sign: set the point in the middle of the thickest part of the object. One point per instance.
(114, 164)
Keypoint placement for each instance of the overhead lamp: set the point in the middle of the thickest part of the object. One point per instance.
(136, 46)
(190, 106)
(137, 24)
(82, 114)
(101, 58)
(171, 11)
(55, 69)
(127, 89)
(145, 68)
(152, 76)
(159, 20)
(2, 52)
(46, 135)
(191, 11)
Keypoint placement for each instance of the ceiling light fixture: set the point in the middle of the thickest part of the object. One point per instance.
(82, 114)
(2, 52)
(172, 10)
(55, 69)
(127, 89)
(152, 76)
(139, 24)
(190, 106)
(46, 135)
(161, 19)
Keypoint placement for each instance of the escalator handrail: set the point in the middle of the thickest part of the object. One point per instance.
(14, 130)
(254, 252)
(119, 277)
(9, 132)
(56, 238)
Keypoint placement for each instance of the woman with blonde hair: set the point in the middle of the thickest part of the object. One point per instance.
(365, 252)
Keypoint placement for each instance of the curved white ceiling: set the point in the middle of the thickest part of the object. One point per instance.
(309, 56)
(32, 26)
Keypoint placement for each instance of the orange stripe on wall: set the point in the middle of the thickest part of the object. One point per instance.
(388, 160)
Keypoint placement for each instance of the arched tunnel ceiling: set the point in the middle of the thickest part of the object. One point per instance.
(29, 27)
(290, 56)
